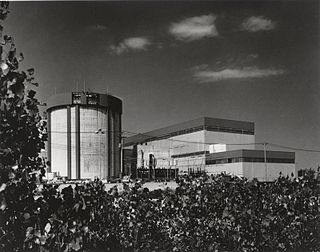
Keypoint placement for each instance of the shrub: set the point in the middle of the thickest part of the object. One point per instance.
(218, 213)
(21, 139)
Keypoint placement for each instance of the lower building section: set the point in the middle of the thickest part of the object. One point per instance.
(250, 164)
(262, 165)
(253, 170)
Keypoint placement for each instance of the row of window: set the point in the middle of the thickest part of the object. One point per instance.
(91, 98)
(199, 128)
(249, 160)
(229, 130)
(190, 154)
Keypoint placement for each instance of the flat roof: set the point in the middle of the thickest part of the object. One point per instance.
(203, 123)
(67, 99)
(251, 154)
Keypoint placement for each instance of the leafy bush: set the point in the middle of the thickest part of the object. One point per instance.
(218, 213)
(21, 139)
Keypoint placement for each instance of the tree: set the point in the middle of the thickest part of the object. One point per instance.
(22, 137)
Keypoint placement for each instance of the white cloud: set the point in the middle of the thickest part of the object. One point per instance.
(258, 23)
(194, 28)
(134, 44)
(204, 76)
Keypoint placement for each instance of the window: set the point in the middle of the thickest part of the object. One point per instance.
(249, 160)
(229, 130)
(190, 154)
(92, 98)
(76, 98)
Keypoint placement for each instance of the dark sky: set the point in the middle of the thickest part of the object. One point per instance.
(176, 61)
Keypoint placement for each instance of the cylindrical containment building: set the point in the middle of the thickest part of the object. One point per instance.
(84, 130)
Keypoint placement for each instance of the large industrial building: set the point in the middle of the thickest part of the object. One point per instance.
(84, 135)
(211, 145)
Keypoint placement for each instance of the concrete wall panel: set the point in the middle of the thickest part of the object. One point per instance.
(229, 139)
(73, 143)
(257, 170)
(93, 148)
(59, 141)
(165, 148)
(253, 170)
(235, 169)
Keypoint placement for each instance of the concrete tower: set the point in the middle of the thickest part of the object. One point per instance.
(84, 135)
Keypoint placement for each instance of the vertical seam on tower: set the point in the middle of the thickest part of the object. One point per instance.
(77, 124)
(110, 159)
(69, 142)
(49, 141)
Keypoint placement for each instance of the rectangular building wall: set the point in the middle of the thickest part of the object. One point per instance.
(253, 170)
(235, 169)
(269, 172)
(194, 142)
(165, 148)
(59, 142)
(188, 143)
(160, 149)
(189, 164)
(233, 141)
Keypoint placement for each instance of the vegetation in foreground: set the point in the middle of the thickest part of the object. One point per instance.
(218, 213)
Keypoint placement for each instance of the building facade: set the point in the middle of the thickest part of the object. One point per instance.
(185, 145)
(188, 147)
(84, 135)
(259, 164)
